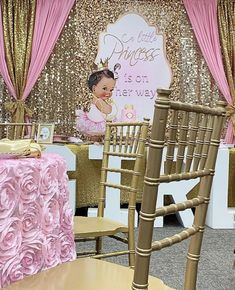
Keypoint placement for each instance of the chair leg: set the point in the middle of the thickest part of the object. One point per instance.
(192, 262)
(98, 245)
(234, 260)
(131, 246)
(132, 259)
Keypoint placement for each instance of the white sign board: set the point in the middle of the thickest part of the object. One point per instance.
(136, 54)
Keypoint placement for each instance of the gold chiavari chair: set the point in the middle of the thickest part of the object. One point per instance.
(193, 131)
(122, 140)
(193, 138)
(15, 131)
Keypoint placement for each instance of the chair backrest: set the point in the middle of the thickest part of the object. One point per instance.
(191, 136)
(15, 131)
(123, 140)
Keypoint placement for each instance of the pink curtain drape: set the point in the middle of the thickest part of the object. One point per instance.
(50, 19)
(3, 64)
(203, 17)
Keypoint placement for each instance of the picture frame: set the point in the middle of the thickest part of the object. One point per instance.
(45, 133)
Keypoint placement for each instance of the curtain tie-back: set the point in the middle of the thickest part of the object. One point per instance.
(18, 109)
(230, 112)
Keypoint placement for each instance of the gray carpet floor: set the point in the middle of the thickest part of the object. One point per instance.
(216, 270)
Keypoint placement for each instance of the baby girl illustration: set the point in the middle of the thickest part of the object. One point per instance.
(101, 84)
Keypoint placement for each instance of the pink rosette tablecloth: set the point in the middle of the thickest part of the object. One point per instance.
(36, 230)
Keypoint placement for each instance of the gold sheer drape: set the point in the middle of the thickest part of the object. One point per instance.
(226, 17)
(18, 23)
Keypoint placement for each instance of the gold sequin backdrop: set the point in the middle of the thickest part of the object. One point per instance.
(62, 85)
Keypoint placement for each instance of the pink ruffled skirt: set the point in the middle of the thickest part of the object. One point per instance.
(89, 127)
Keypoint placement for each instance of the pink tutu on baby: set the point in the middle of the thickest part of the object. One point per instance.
(87, 126)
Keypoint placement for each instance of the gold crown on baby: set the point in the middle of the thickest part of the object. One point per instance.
(101, 65)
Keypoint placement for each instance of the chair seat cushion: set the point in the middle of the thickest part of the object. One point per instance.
(84, 274)
(96, 227)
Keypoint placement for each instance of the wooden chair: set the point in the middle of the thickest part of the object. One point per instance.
(194, 133)
(122, 140)
(15, 131)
